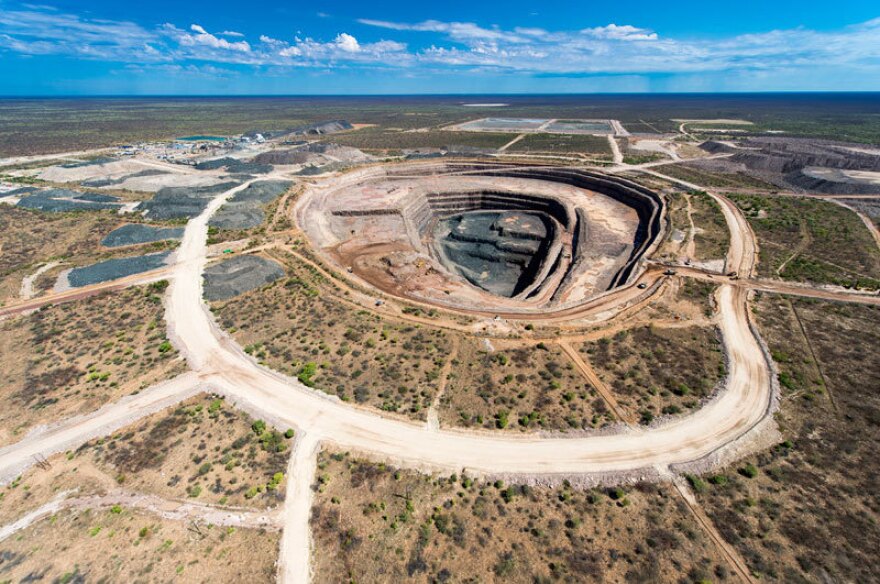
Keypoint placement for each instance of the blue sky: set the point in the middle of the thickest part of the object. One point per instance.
(83, 47)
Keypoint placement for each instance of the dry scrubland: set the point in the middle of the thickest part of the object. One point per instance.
(373, 523)
(130, 546)
(394, 141)
(714, 179)
(519, 388)
(294, 326)
(655, 371)
(202, 451)
(28, 237)
(59, 125)
(298, 327)
(594, 146)
(72, 358)
(711, 237)
(685, 300)
(805, 510)
(808, 510)
(809, 240)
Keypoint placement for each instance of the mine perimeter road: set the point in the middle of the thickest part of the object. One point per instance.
(222, 363)
(77, 430)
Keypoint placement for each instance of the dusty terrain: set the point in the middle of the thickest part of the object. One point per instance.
(806, 509)
(373, 522)
(131, 546)
(518, 388)
(295, 327)
(70, 359)
(321, 351)
(655, 371)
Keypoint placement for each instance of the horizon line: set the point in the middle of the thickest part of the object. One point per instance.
(470, 95)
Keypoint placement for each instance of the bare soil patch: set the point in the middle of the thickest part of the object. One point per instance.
(131, 546)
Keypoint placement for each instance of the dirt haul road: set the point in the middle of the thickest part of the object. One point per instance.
(724, 421)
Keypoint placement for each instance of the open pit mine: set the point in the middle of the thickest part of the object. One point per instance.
(484, 236)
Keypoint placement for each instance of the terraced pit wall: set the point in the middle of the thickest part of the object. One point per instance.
(421, 210)
(646, 203)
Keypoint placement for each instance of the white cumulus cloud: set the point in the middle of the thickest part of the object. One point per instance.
(624, 32)
(616, 49)
(203, 37)
(347, 43)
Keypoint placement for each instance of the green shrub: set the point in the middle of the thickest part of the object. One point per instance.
(719, 480)
(307, 372)
(616, 493)
(696, 483)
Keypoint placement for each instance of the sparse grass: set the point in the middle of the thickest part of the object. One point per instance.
(523, 388)
(395, 141)
(636, 157)
(57, 125)
(711, 238)
(807, 510)
(371, 522)
(203, 449)
(568, 143)
(72, 358)
(677, 224)
(659, 371)
(29, 238)
(85, 546)
(816, 241)
(294, 326)
(713, 179)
